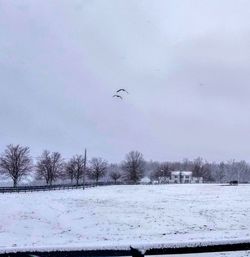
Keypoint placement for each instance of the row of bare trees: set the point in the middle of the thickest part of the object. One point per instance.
(17, 163)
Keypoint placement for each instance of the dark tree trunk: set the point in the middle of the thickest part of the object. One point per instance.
(15, 182)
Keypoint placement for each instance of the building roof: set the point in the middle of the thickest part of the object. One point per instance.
(182, 172)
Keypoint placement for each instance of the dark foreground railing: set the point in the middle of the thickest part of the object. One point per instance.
(135, 251)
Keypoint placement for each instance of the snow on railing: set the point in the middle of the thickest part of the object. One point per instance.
(134, 250)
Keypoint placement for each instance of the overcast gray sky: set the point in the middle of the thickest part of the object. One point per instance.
(185, 63)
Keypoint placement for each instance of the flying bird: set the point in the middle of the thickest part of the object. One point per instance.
(118, 96)
(122, 90)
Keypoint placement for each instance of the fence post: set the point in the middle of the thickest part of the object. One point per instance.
(84, 169)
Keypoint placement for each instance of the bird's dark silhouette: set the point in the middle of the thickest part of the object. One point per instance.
(135, 252)
(122, 90)
(118, 96)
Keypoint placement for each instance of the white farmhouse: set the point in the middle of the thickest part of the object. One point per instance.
(184, 177)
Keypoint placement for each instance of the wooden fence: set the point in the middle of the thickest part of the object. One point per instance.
(41, 188)
(54, 187)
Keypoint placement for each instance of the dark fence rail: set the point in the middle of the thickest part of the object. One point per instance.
(136, 251)
(61, 187)
(55, 187)
(42, 188)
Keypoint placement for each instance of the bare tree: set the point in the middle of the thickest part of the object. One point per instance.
(150, 166)
(186, 165)
(43, 166)
(221, 172)
(50, 166)
(232, 171)
(16, 162)
(114, 172)
(161, 173)
(97, 169)
(206, 172)
(75, 167)
(244, 171)
(197, 168)
(133, 167)
(241, 169)
(155, 175)
(70, 170)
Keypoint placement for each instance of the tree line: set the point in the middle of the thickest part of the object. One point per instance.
(16, 163)
(221, 172)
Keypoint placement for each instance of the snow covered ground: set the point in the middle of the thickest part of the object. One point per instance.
(123, 215)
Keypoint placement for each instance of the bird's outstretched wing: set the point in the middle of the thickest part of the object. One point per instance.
(118, 96)
(121, 90)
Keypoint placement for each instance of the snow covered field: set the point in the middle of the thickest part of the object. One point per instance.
(125, 215)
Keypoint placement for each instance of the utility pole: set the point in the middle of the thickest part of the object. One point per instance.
(84, 169)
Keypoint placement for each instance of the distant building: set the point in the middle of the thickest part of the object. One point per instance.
(184, 177)
(145, 181)
(178, 177)
(181, 177)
